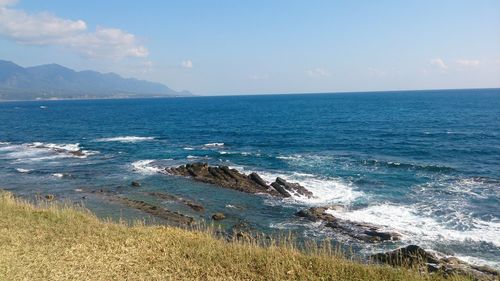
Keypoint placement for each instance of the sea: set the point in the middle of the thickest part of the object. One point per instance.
(425, 164)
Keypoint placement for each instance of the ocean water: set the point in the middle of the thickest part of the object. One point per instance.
(425, 164)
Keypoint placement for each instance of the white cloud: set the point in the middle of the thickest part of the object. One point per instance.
(318, 72)
(47, 29)
(469, 63)
(439, 63)
(187, 64)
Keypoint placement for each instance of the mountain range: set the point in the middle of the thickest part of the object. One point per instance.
(53, 81)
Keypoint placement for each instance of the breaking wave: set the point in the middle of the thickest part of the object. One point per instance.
(125, 139)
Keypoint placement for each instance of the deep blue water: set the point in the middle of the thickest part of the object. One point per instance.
(426, 163)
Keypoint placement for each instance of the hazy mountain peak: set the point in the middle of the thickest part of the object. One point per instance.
(54, 81)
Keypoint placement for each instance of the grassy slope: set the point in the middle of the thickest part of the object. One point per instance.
(54, 243)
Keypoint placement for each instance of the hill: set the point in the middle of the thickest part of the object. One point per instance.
(53, 81)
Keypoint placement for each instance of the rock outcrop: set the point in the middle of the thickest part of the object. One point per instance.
(415, 256)
(361, 231)
(169, 197)
(218, 216)
(231, 178)
(170, 217)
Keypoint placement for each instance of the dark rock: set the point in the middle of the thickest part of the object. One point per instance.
(414, 256)
(243, 236)
(218, 216)
(135, 184)
(361, 231)
(77, 153)
(286, 187)
(280, 189)
(156, 211)
(169, 197)
(316, 214)
(231, 178)
(257, 179)
(171, 217)
(408, 256)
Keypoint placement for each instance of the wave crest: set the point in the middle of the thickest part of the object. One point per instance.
(125, 139)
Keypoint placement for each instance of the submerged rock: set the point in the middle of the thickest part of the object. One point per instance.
(415, 256)
(218, 216)
(160, 212)
(361, 231)
(77, 153)
(165, 196)
(231, 178)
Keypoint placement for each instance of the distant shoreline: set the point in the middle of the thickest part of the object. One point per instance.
(84, 99)
(260, 94)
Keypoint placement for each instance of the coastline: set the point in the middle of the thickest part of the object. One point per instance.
(71, 243)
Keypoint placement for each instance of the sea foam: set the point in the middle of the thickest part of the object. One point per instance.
(39, 151)
(214, 144)
(419, 228)
(146, 167)
(125, 139)
(325, 190)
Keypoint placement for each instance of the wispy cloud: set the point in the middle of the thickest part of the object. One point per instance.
(439, 63)
(47, 29)
(187, 64)
(468, 63)
(318, 72)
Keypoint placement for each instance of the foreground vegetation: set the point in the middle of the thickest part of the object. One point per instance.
(54, 242)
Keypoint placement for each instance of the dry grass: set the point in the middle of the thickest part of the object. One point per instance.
(62, 243)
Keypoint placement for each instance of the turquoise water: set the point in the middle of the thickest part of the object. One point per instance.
(425, 164)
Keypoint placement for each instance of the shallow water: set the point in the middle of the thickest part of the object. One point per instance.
(426, 164)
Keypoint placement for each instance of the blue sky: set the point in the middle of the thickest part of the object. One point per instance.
(240, 47)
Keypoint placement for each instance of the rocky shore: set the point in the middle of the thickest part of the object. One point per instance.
(171, 217)
(426, 261)
(252, 183)
(233, 179)
(362, 231)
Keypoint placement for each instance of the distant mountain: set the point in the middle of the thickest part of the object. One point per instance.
(53, 81)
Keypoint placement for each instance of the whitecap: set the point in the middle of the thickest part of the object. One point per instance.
(214, 144)
(21, 170)
(125, 139)
(192, 157)
(145, 167)
(58, 175)
(294, 157)
(188, 148)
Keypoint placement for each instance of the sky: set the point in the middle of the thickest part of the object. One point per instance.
(234, 47)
